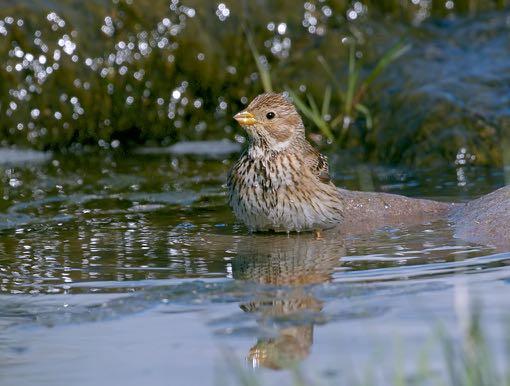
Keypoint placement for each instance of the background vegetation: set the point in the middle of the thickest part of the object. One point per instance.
(116, 73)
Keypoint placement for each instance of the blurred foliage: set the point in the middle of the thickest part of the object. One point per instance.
(121, 72)
(469, 358)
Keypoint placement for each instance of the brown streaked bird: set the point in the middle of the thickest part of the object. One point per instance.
(281, 183)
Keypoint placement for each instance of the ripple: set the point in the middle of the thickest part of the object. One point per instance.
(257, 298)
(204, 148)
(19, 156)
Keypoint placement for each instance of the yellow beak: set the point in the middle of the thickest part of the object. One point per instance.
(245, 118)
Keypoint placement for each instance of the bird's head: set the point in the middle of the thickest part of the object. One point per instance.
(271, 120)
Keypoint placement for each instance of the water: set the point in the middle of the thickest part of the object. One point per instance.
(122, 268)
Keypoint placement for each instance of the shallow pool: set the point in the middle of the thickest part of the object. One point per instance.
(130, 269)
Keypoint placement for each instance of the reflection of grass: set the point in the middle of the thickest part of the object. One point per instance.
(468, 361)
(351, 95)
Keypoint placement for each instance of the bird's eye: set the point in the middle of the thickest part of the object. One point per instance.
(270, 115)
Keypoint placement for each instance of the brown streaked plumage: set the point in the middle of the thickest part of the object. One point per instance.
(282, 183)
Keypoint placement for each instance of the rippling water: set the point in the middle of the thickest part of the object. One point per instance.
(128, 268)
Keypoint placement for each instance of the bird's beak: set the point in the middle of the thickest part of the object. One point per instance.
(245, 118)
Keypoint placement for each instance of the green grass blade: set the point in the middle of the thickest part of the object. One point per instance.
(366, 112)
(330, 73)
(326, 101)
(351, 80)
(265, 75)
(301, 105)
(313, 105)
(336, 121)
(393, 54)
(310, 114)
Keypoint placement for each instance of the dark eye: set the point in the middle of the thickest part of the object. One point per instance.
(270, 115)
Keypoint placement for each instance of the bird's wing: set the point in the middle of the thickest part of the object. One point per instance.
(318, 163)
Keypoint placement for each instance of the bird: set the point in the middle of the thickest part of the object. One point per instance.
(281, 183)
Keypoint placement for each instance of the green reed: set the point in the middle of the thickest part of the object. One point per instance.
(335, 122)
(468, 360)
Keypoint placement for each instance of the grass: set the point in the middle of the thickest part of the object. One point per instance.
(262, 66)
(334, 123)
(468, 361)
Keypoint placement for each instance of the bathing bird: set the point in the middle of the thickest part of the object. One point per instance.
(282, 183)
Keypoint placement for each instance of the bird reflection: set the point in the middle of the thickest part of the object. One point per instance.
(291, 264)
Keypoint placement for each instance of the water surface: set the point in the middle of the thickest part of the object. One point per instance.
(129, 268)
